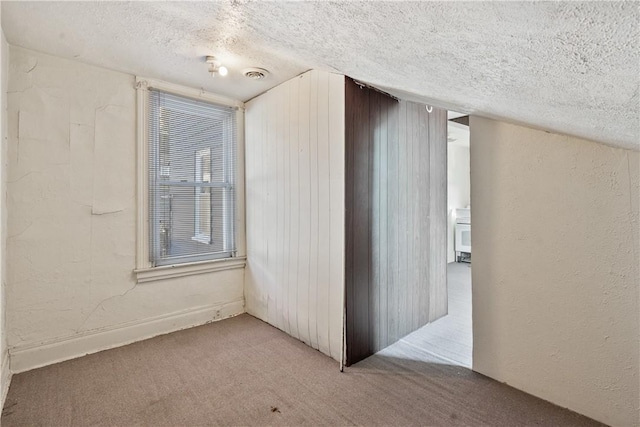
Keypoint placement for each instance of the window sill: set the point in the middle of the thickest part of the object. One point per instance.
(144, 275)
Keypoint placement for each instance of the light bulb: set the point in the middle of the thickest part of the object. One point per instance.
(223, 70)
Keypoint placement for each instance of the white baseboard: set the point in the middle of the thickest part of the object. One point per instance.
(27, 357)
(5, 379)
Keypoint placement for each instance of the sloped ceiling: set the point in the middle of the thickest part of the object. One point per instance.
(569, 67)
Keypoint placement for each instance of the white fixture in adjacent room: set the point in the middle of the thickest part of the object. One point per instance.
(463, 234)
(458, 177)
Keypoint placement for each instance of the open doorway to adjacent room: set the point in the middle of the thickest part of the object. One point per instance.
(398, 226)
(450, 338)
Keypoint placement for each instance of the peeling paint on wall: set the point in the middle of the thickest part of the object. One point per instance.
(72, 209)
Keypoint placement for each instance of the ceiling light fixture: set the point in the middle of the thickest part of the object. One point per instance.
(215, 67)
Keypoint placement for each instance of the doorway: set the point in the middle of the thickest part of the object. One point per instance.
(408, 280)
(449, 339)
(396, 218)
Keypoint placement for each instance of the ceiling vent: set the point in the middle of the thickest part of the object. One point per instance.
(255, 73)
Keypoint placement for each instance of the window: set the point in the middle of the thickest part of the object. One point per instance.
(191, 182)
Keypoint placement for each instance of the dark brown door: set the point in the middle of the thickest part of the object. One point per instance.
(395, 268)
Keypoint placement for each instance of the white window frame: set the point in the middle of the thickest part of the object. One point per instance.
(144, 271)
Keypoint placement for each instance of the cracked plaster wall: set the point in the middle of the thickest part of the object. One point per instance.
(555, 268)
(72, 208)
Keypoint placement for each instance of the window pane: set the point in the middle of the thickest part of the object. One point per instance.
(185, 226)
(192, 170)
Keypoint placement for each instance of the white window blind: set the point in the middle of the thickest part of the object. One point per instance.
(192, 162)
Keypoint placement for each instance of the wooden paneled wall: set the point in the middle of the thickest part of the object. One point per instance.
(396, 224)
(295, 208)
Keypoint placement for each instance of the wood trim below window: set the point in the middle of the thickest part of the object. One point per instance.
(144, 275)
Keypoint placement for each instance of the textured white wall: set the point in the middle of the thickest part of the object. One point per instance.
(295, 208)
(555, 268)
(5, 375)
(72, 214)
(458, 189)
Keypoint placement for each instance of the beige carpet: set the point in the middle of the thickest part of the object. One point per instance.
(242, 371)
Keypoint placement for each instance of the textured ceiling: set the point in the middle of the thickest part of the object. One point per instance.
(565, 66)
